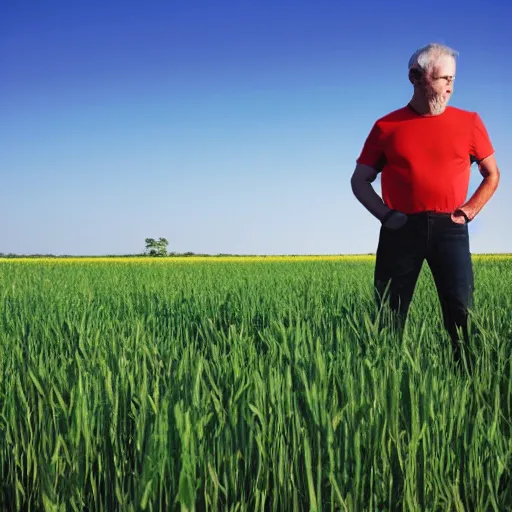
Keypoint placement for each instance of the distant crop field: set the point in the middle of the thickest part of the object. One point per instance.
(251, 383)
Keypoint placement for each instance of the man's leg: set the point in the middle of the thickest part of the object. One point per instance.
(450, 263)
(400, 255)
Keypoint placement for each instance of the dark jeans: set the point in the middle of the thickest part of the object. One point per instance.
(445, 245)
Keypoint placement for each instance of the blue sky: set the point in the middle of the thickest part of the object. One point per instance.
(226, 126)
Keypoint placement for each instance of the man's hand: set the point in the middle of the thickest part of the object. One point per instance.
(459, 216)
(395, 221)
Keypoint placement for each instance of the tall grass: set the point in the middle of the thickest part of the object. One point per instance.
(255, 386)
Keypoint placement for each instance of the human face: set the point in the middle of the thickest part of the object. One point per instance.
(438, 84)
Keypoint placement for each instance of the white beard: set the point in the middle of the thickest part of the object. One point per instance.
(436, 102)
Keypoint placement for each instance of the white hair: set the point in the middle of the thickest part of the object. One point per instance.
(423, 58)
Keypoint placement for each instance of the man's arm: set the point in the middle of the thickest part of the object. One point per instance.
(491, 177)
(361, 182)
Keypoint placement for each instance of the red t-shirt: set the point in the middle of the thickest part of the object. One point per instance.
(425, 160)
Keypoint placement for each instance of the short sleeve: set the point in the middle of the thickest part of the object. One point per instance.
(480, 144)
(372, 153)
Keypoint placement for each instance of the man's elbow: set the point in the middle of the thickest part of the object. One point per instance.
(497, 176)
(489, 170)
(492, 176)
(357, 182)
(362, 176)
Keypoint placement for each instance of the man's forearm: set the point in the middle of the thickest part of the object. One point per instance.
(366, 195)
(481, 195)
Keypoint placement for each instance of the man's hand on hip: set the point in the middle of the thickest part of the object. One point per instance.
(394, 220)
(459, 216)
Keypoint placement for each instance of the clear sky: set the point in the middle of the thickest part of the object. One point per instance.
(224, 126)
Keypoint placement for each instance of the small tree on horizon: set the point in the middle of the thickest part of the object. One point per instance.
(156, 247)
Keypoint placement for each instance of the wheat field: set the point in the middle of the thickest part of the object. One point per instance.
(247, 384)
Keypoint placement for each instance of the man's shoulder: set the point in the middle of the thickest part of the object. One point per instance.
(387, 122)
(396, 115)
(460, 112)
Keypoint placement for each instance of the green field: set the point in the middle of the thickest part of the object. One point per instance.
(247, 385)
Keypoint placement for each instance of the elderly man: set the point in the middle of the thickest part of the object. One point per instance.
(424, 152)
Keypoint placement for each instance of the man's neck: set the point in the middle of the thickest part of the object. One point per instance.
(421, 107)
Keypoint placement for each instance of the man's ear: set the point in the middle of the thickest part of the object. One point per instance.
(414, 75)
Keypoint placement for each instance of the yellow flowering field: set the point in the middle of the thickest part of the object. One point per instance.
(224, 259)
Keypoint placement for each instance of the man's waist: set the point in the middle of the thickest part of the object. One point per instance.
(430, 213)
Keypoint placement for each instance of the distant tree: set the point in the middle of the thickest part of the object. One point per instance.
(156, 247)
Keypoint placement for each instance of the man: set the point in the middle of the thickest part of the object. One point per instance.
(424, 152)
